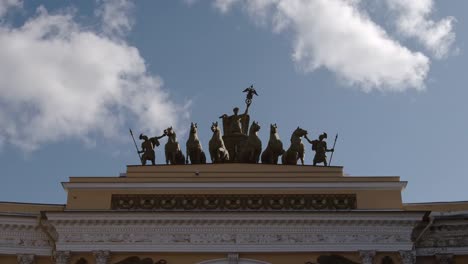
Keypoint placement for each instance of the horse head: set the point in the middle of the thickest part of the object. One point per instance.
(255, 127)
(273, 129)
(193, 128)
(299, 132)
(214, 127)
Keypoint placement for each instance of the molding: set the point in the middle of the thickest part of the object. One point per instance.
(234, 185)
(442, 250)
(234, 232)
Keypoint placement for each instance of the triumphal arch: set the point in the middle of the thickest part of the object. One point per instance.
(234, 205)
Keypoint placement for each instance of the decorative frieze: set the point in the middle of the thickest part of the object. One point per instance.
(22, 235)
(238, 202)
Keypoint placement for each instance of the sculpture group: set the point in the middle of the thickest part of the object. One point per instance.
(239, 143)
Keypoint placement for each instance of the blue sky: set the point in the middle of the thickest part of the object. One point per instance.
(388, 76)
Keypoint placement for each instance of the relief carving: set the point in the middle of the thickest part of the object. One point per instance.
(140, 202)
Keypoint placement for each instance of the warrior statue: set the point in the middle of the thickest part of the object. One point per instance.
(147, 147)
(320, 148)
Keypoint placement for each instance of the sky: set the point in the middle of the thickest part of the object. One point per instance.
(388, 76)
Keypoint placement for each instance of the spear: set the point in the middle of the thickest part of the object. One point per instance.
(131, 133)
(334, 143)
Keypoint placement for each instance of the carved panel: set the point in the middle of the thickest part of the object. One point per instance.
(307, 202)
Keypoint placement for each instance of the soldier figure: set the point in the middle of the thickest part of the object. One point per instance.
(147, 147)
(320, 148)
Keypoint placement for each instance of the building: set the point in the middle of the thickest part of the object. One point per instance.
(233, 213)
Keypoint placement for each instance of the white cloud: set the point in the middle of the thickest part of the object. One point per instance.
(59, 81)
(339, 36)
(413, 21)
(7, 4)
(225, 5)
(116, 20)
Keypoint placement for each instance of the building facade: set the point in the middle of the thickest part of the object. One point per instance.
(233, 213)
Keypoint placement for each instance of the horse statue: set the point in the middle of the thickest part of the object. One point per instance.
(253, 146)
(275, 147)
(296, 150)
(218, 151)
(194, 148)
(172, 148)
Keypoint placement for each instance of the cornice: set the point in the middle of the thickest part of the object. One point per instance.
(236, 186)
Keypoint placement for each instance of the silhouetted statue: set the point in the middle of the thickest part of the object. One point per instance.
(172, 149)
(250, 93)
(320, 148)
(235, 132)
(274, 148)
(218, 151)
(147, 148)
(194, 148)
(252, 147)
(296, 150)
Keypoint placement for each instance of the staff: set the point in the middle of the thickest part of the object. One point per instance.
(331, 157)
(138, 152)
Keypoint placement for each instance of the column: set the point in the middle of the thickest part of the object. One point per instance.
(444, 258)
(62, 257)
(367, 256)
(407, 256)
(233, 258)
(25, 259)
(102, 256)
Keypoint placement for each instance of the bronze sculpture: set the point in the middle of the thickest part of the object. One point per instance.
(194, 149)
(320, 148)
(147, 148)
(218, 151)
(235, 129)
(250, 93)
(274, 148)
(172, 149)
(252, 147)
(296, 150)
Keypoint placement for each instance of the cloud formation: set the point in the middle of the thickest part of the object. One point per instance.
(340, 36)
(413, 21)
(59, 81)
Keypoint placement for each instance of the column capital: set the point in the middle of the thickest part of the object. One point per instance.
(25, 258)
(367, 256)
(62, 257)
(407, 256)
(444, 258)
(102, 256)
